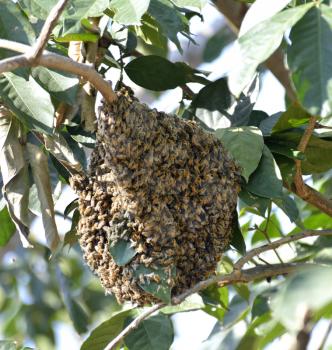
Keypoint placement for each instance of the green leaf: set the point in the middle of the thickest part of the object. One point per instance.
(213, 97)
(62, 86)
(259, 11)
(192, 3)
(14, 25)
(238, 141)
(238, 308)
(251, 200)
(293, 298)
(216, 43)
(122, 252)
(7, 227)
(160, 290)
(237, 238)
(129, 11)
(106, 331)
(294, 117)
(31, 103)
(259, 43)
(70, 207)
(153, 333)
(193, 302)
(317, 154)
(75, 311)
(288, 206)
(266, 180)
(77, 9)
(260, 306)
(156, 73)
(169, 18)
(309, 60)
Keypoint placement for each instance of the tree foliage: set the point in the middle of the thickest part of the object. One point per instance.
(47, 129)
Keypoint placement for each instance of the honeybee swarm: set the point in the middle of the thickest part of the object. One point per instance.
(161, 183)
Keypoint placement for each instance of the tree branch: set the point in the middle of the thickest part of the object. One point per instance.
(234, 12)
(46, 31)
(238, 275)
(55, 61)
(298, 186)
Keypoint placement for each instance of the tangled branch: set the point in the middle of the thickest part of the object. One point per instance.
(236, 276)
(37, 56)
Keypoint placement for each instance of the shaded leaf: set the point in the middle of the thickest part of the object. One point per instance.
(153, 333)
(106, 331)
(309, 60)
(157, 73)
(317, 154)
(237, 240)
(122, 252)
(294, 116)
(213, 97)
(7, 227)
(261, 203)
(238, 142)
(14, 25)
(216, 43)
(28, 100)
(169, 18)
(266, 180)
(288, 206)
(260, 306)
(75, 311)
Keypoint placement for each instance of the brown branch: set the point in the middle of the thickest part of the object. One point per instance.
(298, 186)
(234, 12)
(238, 275)
(46, 31)
(55, 61)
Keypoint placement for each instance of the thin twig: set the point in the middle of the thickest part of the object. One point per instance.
(266, 247)
(238, 275)
(46, 31)
(325, 337)
(55, 61)
(298, 186)
(134, 324)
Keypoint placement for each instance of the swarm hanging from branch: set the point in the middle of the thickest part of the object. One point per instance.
(157, 203)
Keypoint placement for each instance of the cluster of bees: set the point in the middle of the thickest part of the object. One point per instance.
(162, 184)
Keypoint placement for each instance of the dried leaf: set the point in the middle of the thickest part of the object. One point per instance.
(41, 176)
(58, 146)
(14, 169)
